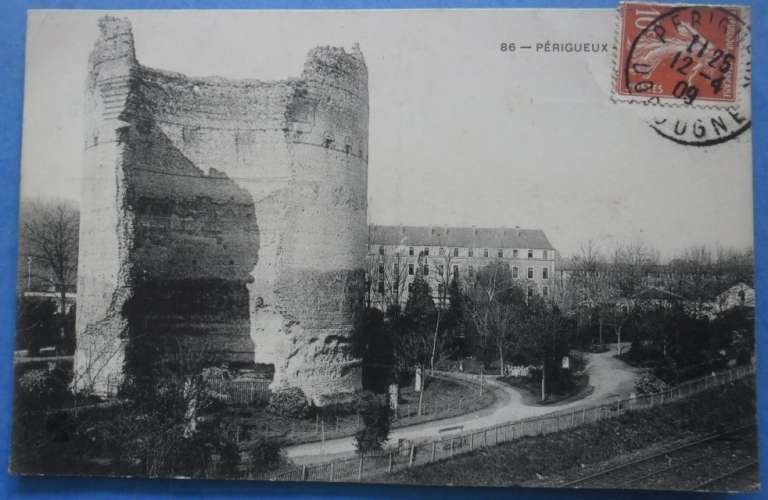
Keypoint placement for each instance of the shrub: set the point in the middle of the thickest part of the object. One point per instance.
(289, 402)
(263, 454)
(376, 417)
(41, 388)
(649, 384)
(37, 325)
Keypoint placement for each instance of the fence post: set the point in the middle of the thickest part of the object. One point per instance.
(360, 468)
(541, 427)
(332, 467)
(485, 438)
(389, 468)
(497, 435)
(434, 448)
(410, 456)
(304, 472)
(450, 454)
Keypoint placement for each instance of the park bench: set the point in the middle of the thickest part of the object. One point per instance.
(448, 437)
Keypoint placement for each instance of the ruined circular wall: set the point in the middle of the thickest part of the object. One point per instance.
(248, 194)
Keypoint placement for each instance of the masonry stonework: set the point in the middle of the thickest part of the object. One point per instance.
(225, 215)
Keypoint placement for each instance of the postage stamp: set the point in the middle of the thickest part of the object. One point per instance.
(685, 55)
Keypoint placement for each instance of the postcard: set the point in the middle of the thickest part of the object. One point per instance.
(497, 247)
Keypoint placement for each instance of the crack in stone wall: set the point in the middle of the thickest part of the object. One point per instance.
(227, 211)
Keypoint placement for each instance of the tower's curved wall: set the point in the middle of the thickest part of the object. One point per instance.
(229, 215)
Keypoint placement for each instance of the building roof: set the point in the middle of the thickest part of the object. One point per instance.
(469, 237)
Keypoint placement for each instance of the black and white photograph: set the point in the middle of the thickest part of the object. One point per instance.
(497, 247)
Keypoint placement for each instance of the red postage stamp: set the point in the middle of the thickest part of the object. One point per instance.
(680, 54)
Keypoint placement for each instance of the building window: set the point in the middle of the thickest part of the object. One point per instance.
(514, 253)
(455, 252)
(410, 251)
(545, 273)
(426, 251)
(410, 269)
(501, 253)
(381, 286)
(545, 254)
(441, 251)
(381, 249)
(471, 252)
(515, 272)
(456, 272)
(397, 270)
(471, 270)
(441, 270)
(485, 252)
(545, 291)
(530, 273)
(530, 292)
(530, 254)
(381, 268)
(426, 269)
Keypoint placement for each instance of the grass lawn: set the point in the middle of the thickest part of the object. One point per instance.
(532, 460)
(443, 398)
(531, 390)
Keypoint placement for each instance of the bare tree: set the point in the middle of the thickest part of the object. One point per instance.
(629, 267)
(694, 276)
(50, 230)
(591, 283)
(387, 279)
(444, 275)
(492, 307)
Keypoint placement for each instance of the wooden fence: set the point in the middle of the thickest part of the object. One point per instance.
(393, 459)
(241, 392)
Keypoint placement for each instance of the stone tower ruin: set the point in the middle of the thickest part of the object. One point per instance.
(227, 216)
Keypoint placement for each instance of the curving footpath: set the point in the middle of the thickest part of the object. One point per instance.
(609, 377)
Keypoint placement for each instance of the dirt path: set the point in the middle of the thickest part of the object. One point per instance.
(608, 376)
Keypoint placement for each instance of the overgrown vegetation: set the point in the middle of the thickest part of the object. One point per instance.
(39, 324)
(376, 418)
(166, 424)
(492, 319)
(677, 344)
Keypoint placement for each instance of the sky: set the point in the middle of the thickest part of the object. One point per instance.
(461, 133)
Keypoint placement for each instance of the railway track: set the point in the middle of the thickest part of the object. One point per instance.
(689, 466)
(740, 478)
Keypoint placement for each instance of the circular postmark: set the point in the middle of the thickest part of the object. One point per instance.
(700, 128)
(690, 65)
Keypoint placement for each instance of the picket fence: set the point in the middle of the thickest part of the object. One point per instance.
(410, 454)
(241, 392)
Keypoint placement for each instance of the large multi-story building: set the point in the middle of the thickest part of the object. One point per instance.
(397, 254)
